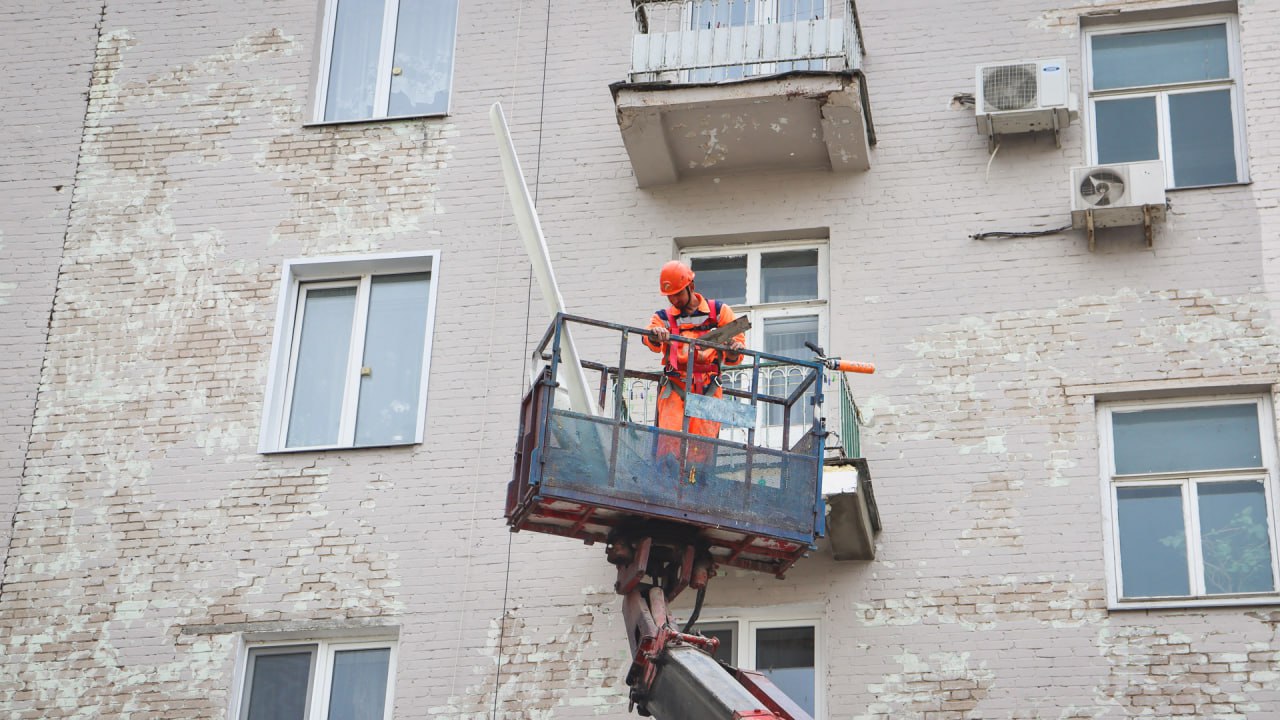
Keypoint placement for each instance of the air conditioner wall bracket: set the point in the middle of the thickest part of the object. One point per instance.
(993, 138)
(1148, 228)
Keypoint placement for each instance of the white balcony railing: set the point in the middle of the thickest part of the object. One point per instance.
(697, 41)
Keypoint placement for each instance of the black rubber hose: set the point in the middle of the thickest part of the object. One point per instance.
(697, 610)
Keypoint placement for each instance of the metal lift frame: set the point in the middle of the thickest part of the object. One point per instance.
(558, 488)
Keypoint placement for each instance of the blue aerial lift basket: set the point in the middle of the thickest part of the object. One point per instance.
(751, 498)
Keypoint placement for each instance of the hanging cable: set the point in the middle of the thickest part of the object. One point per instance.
(528, 305)
(990, 160)
(697, 610)
(1001, 234)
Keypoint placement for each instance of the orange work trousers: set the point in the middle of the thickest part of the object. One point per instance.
(671, 417)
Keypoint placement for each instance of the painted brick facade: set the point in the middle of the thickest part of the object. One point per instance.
(159, 173)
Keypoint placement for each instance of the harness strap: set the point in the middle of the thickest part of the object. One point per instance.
(703, 373)
(709, 389)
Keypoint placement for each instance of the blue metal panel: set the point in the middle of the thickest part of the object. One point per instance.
(776, 501)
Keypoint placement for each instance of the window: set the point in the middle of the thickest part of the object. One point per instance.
(784, 289)
(385, 59)
(712, 14)
(352, 347)
(1191, 502)
(1169, 92)
(785, 651)
(318, 681)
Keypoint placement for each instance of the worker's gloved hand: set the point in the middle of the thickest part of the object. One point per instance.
(734, 357)
(661, 334)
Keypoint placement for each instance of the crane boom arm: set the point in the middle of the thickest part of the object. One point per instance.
(673, 676)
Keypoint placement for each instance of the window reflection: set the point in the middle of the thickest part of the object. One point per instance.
(1153, 542)
(1234, 538)
(786, 656)
(423, 57)
(1203, 138)
(1160, 57)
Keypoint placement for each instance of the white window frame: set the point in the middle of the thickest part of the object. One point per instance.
(386, 55)
(745, 624)
(767, 434)
(300, 275)
(1162, 92)
(320, 683)
(761, 311)
(1188, 482)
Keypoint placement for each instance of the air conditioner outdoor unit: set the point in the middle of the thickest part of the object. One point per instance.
(1117, 194)
(1023, 97)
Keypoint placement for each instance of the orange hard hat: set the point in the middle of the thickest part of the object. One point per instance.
(675, 276)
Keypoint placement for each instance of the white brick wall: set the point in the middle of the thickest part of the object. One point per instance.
(48, 59)
(148, 522)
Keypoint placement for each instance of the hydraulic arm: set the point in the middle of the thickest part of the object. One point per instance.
(673, 674)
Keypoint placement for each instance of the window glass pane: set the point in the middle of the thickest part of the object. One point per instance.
(727, 652)
(786, 337)
(1160, 57)
(278, 685)
(1126, 130)
(787, 276)
(1204, 148)
(785, 656)
(424, 57)
(801, 11)
(1153, 541)
(708, 14)
(712, 14)
(721, 278)
(393, 343)
(316, 410)
(1234, 541)
(1209, 437)
(353, 66)
(359, 689)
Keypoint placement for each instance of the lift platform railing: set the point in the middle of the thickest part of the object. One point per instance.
(754, 501)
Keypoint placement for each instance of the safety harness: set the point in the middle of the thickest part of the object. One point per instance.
(706, 376)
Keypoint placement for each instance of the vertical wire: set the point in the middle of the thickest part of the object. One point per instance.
(537, 186)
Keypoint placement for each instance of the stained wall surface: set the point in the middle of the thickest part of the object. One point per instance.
(150, 537)
(49, 56)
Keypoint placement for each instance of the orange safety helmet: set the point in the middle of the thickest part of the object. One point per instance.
(675, 276)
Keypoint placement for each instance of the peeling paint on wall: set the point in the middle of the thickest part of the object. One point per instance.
(545, 670)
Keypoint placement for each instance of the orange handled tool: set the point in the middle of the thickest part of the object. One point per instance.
(851, 366)
(835, 363)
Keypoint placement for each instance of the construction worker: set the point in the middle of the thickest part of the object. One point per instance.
(690, 315)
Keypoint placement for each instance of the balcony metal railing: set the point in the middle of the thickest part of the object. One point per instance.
(640, 395)
(850, 421)
(698, 41)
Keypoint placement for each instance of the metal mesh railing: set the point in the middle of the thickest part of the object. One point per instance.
(639, 400)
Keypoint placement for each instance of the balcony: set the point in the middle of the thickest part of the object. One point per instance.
(720, 87)
(853, 518)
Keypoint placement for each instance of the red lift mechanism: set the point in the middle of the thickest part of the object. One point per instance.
(673, 675)
(756, 507)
